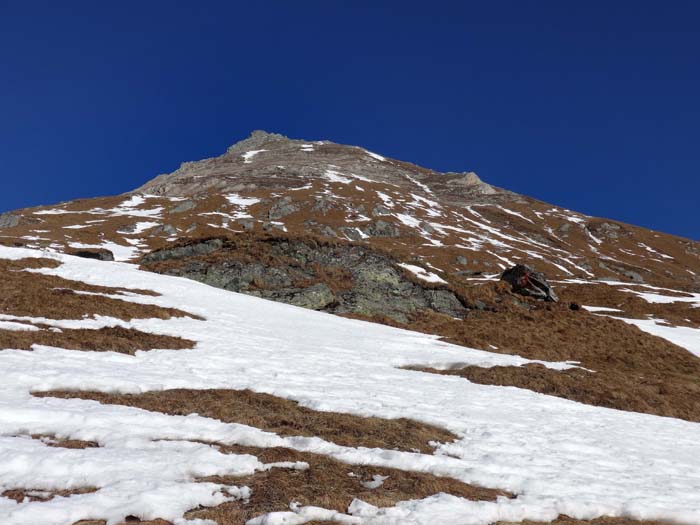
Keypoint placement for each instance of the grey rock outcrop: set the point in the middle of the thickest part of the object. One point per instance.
(9, 220)
(337, 278)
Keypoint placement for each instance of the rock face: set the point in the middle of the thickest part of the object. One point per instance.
(526, 281)
(9, 220)
(273, 160)
(339, 278)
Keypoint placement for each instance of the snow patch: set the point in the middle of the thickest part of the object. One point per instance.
(422, 273)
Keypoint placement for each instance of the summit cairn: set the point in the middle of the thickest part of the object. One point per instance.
(526, 281)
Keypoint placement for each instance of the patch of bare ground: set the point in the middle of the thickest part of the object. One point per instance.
(109, 339)
(52, 441)
(282, 416)
(327, 483)
(26, 494)
(634, 371)
(646, 394)
(565, 520)
(37, 295)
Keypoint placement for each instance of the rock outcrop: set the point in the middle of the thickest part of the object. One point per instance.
(340, 278)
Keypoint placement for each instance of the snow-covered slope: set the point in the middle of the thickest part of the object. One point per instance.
(556, 456)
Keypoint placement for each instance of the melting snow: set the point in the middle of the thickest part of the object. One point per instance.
(120, 252)
(248, 155)
(235, 198)
(422, 273)
(683, 336)
(375, 156)
(336, 176)
(558, 456)
(377, 481)
(20, 327)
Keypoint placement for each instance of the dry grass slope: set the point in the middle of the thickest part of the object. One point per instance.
(274, 414)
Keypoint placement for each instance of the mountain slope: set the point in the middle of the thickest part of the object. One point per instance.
(453, 222)
(552, 456)
(341, 230)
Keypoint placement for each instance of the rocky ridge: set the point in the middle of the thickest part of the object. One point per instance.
(450, 223)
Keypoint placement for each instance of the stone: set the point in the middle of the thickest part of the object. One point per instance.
(166, 230)
(315, 297)
(382, 228)
(351, 233)
(179, 252)
(100, 254)
(247, 224)
(183, 206)
(281, 208)
(328, 231)
(9, 220)
(633, 276)
(380, 209)
(526, 281)
(426, 227)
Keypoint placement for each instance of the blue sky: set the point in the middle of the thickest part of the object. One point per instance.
(591, 105)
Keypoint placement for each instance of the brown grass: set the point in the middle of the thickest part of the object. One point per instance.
(22, 494)
(328, 483)
(634, 371)
(37, 295)
(52, 441)
(678, 313)
(648, 394)
(565, 520)
(331, 484)
(109, 339)
(282, 416)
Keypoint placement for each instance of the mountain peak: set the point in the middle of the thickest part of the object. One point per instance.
(256, 139)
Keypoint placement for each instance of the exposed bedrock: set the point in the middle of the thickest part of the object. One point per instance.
(340, 278)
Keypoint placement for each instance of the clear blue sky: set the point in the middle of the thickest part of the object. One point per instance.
(591, 105)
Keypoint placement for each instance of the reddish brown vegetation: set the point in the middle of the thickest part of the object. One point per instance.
(565, 520)
(27, 494)
(634, 370)
(38, 295)
(278, 415)
(631, 305)
(110, 339)
(53, 441)
(329, 484)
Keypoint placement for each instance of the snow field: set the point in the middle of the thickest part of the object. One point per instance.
(558, 456)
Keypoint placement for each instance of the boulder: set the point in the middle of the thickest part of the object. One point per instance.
(382, 228)
(8, 220)
(526, 281)
(281, 208)
(101, 254)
